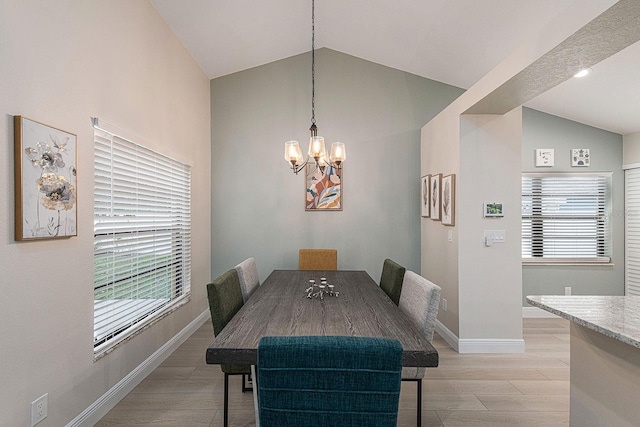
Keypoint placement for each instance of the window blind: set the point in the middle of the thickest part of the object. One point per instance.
(632, 233)
(565, 217)
(142, 237)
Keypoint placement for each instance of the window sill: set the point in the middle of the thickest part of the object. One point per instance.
(566, 264)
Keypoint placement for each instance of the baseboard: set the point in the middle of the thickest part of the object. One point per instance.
(447, 335)
(534, 312)
(107, 401)
(479, 345)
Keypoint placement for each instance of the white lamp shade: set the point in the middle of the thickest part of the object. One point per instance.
(292, 153)
(338, 152)
(316, 147)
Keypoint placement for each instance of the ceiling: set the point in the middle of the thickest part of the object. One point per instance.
(455, 42)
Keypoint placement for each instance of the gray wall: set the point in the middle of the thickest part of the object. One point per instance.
(542, 130)
(258, 203)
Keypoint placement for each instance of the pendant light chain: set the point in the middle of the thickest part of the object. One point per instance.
(313, 65)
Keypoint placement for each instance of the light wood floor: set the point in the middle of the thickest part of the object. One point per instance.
(530, 389)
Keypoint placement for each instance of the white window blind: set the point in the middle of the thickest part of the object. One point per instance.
(565, 217)
(632, 231)
(142, 237)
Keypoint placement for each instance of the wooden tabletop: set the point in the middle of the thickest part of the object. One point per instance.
(280, 307)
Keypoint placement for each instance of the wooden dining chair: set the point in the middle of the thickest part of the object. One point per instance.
(419, 300)
(225, 299)
(248, 276)
(328, 381)
(318, 259)
(391, 279)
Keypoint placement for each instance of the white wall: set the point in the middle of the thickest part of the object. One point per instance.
(490, 277)
(63, 62)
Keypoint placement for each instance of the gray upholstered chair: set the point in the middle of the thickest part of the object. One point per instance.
(391, 279)
(419, 300)
(225, 299)
(318, 259)
(248, 276)
(328, 381)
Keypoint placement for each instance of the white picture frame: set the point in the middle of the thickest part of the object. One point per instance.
(580, 157)
(493, 209)
(544, 157)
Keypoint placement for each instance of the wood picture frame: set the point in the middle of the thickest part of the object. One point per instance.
(323, 188)
(435, 183)
(424, 196)
(45, 161)
(449, 200)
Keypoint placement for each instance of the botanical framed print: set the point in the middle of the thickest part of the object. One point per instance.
(323, 188)
(424, 196)
(435, 205)
(448, 199)
(580, 157)
(45, 181)
(544, 157)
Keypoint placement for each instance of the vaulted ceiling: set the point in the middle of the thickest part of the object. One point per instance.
(452, 41)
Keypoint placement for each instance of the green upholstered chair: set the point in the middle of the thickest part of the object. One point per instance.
(318, 259)
(225, 299)
(328, 381)
(391, 279)
(419, 300)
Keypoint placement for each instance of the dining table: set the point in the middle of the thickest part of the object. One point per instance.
(288, 304)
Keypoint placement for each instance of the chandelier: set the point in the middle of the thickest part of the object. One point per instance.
(317, 152)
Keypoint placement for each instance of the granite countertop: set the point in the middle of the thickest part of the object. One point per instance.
(617, 317)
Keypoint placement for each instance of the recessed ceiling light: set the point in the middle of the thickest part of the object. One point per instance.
(582, 73)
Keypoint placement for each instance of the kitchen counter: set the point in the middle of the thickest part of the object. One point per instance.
(605, 357)
(613, 316)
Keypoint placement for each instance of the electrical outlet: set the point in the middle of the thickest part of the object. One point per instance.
(444, 304)
(39, 409)
(567, 290)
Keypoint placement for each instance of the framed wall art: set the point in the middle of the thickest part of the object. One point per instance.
(493, 209)
(435, 205)
(448, 199)
(323, 188)
(424, 196)
(544, 157)
(45, 181)
(580, 157)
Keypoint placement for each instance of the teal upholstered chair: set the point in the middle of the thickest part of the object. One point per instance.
(248, 276)
(419, 300)
(225, 299)
(328, 381)
(391, 279)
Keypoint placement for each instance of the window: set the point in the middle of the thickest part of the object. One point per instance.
(565, 217)
(142, 238)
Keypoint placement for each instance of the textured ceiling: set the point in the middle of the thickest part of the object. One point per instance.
(455, 42)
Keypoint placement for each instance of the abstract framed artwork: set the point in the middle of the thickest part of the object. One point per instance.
(435, 204)
(424, 196)
(449, 200)
(45, 181)
(323, 188)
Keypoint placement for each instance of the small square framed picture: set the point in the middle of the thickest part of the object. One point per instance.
(544, 157)
(493, 209)
(580, 157)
